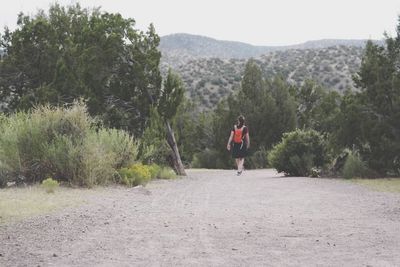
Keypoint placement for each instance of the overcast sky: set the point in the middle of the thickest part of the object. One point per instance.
(258, 22)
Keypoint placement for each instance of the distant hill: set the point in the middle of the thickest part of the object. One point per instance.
(181, 47)
(211, 69)
(205, 47)
(210, 79)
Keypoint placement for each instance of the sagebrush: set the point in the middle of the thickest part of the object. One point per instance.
(64, 143)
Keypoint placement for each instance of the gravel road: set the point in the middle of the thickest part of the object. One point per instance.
(215, 218)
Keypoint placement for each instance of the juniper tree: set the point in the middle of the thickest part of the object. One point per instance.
(70, 53)
(171, 97)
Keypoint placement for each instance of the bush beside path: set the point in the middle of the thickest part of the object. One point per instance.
(214, 217)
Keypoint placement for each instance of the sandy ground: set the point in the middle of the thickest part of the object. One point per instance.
(214, 218)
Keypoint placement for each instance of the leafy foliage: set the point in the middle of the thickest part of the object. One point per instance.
(171, 96)
(140, 174)
(299, 152)
(50, 185)
(62, 143)
(194, 132)
(354, 167)
(153, 148)
(154, 170)
(136, 174)
(210, 80)
(71, 52)
(376, 108)
(258, 160)
(316, 107)
(209, 158)
(267, 105)
(166, 173)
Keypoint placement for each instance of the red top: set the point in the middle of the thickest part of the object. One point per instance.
(239, 133)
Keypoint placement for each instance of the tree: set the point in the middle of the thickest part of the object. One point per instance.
(223, 118)
(71, 53)
(256, 103)
(319, 109)
(194, 131)
(171, 97)
(253, 83)
(285, 119)
(379, 84)
(268, 107)
(352, 122)
(369, 119)
(307, 97)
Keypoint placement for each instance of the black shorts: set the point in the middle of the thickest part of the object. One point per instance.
(239, 150)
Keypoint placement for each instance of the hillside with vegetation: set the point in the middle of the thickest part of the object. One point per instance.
(208, 80)
(181, 47)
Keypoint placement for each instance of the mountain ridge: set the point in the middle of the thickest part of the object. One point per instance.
(212, 69)
(192, 46)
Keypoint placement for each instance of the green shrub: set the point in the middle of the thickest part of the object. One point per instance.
(158, 172)
(61, 143)
(299, 152)
(354, 167)
(4, 175)
(120, 144)
(166, 173)
(50, 185)
(258, 160)
(206, 159)
(137, 174)
(301, 164)
(154, 171)
(125, 175)
(157, 152)
(141, 173)
(105, 152)
(153, 148)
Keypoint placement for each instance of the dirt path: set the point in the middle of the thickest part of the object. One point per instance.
(214, 218)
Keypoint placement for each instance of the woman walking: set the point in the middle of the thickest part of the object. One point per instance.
(239, 143)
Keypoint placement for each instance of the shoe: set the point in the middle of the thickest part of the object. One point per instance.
(239, 173)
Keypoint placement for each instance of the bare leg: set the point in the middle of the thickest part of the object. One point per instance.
(239, 166)
(237, 163)
(241, 162)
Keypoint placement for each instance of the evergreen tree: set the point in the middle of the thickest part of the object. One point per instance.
(74, 53)
(194, 131)
(319, 109)
(285, 119)
(379, 82)
(171, 97)
(253, 83)
(268, 107)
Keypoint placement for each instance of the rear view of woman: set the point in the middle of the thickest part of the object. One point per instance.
(238, 143)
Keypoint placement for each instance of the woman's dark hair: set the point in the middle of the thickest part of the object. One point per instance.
(240, 121)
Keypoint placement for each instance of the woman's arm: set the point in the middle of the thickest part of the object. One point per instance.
(247, 137)
(228, 146)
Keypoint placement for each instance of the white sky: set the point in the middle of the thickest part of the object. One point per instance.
(258, 22)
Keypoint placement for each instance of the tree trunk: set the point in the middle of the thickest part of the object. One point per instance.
(176, 157)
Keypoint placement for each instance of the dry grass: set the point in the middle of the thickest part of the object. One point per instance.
(383, 184)
(20, 203)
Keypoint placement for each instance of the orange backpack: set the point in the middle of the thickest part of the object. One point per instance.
(238, 135)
